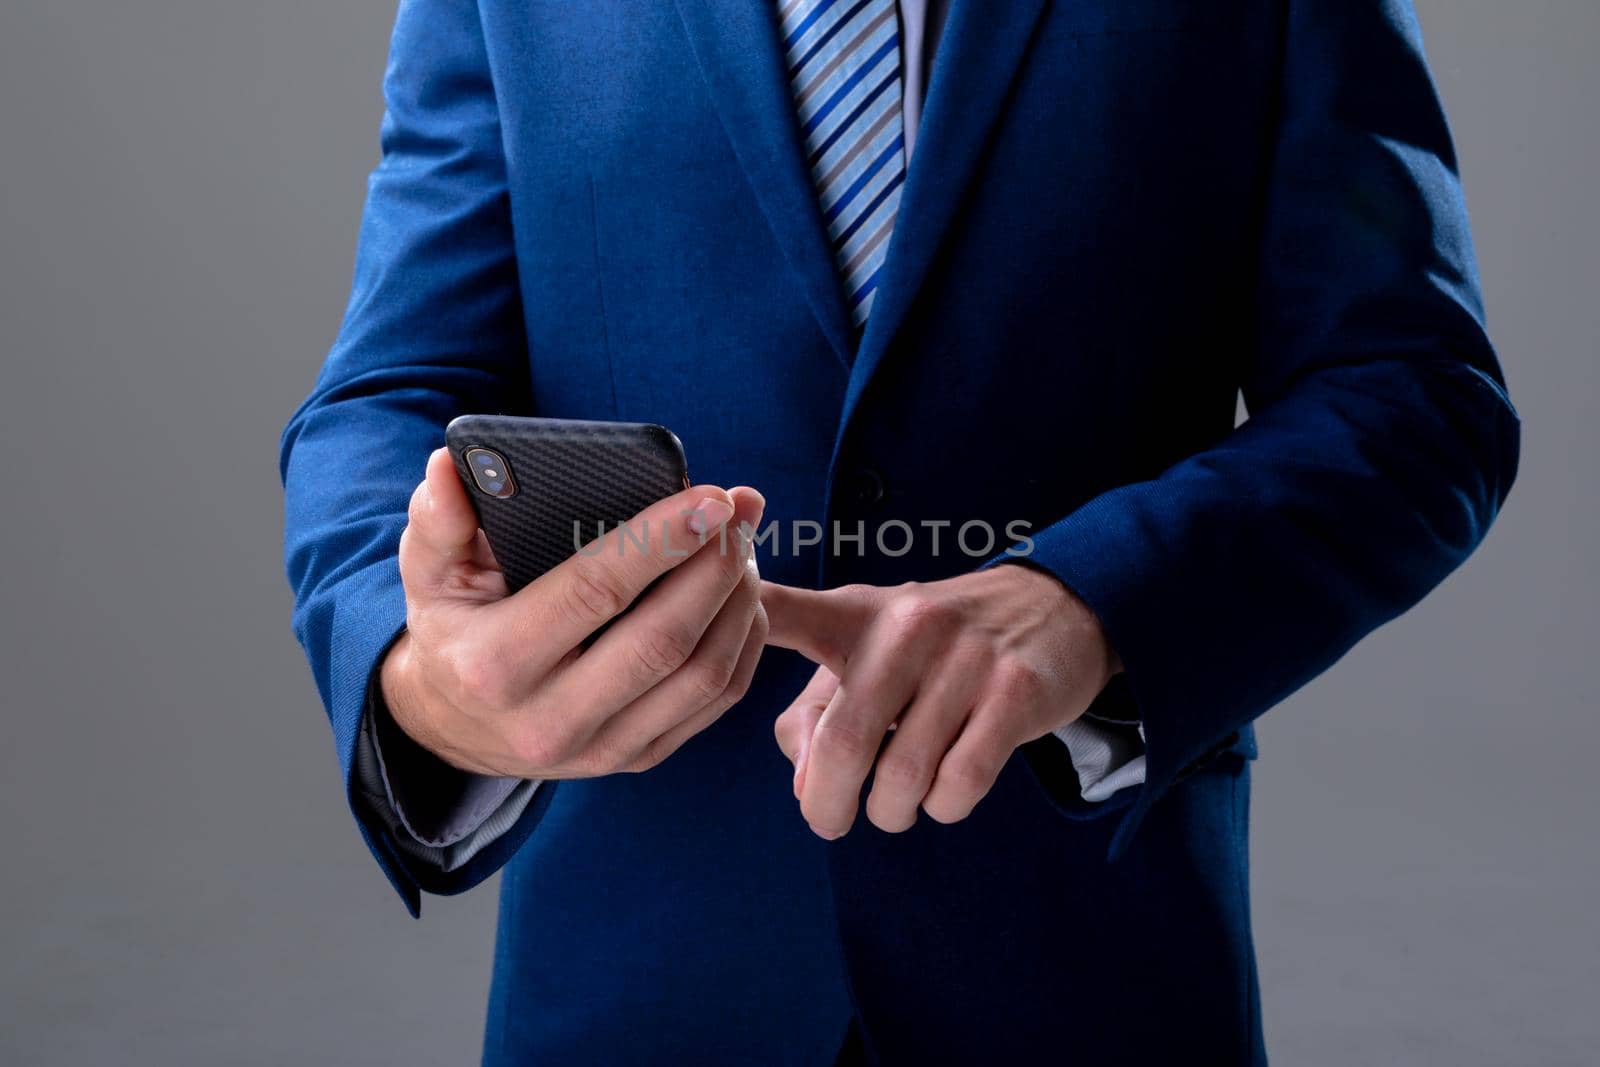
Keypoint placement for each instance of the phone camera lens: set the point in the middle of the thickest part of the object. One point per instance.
(490, 473)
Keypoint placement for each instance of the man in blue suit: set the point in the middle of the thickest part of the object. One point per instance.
(921, 273)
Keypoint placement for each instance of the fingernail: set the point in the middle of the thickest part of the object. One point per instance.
(710, 515)
(826, 835)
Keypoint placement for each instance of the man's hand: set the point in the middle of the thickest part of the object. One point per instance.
(503, 685)
(962, 671)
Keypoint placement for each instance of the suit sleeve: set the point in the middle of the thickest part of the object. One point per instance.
(433, 329)
(1380, 444)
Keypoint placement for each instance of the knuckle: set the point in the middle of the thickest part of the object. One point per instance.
(837, 738)
(608, 760)
(653, 755)
(903, 769)
(1017, 682)
(711, 677)
(967, 776)
(407, 551)
(792, 725)
(592, 763)
(737, 688)
(659, 652)
(594, 759)
(417, 507)
(913, 613)
(540, 750)
(595, 593)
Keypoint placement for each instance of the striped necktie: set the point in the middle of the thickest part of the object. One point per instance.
(844, 70)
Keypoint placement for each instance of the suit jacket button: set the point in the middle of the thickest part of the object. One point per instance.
(866, 487)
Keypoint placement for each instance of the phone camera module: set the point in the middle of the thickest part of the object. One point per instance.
(490, 473)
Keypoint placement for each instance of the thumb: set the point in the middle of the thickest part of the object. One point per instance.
(442, 530)
(824, 627)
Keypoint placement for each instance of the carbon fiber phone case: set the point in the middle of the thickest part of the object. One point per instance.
(565, 472)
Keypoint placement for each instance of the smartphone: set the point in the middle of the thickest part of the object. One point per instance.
(543, 488)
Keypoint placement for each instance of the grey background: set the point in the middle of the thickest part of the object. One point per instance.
(179, 881)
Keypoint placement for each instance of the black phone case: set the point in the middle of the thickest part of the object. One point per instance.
(564, 471)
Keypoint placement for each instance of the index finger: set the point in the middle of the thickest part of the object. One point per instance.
(824, 627)
(571, 601)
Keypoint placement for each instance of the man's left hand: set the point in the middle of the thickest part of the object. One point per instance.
(960, 672)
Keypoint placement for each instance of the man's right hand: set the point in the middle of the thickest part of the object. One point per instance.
(503, 684)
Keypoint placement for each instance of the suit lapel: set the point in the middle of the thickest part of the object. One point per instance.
(736, 45)
(978, 56)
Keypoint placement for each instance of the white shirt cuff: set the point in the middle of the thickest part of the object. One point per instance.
(1108, 759)
(486, 809)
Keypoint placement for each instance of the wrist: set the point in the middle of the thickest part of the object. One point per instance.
(1082, 620)
(405, 720)
(397, 684)
(1089, 624)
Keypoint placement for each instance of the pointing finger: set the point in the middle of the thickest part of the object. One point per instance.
(822, 626)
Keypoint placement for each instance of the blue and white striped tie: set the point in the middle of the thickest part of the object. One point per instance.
(844, 69)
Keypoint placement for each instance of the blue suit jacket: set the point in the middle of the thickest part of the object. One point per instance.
(1121, 214)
